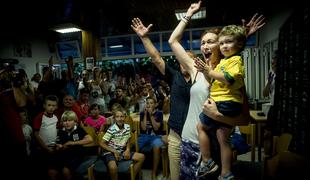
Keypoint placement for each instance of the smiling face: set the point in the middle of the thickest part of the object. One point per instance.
(119, 117)
(68, 101)
(210, 47)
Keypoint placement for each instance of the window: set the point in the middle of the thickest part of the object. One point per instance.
(196, 39)
(251, 42)
(165, 37)
(68, 48)
(119, 46)
(139, 48)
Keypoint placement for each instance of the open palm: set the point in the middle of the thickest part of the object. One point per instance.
(139, 28)
(255, 23)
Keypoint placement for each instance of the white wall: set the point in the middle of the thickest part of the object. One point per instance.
(40, 53)
(257, 60)
(271, 29)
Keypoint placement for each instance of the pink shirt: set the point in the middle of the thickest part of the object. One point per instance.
(95, 123)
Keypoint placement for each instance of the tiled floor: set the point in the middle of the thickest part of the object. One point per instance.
(147, 175)
(248, 169)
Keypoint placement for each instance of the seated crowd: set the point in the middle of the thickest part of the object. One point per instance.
(63, 118)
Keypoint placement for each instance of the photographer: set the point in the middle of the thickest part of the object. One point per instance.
(12, 140)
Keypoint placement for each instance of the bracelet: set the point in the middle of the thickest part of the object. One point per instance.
(187, 18)
(184, 20)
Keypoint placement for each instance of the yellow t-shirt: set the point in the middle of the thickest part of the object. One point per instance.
(233, 70)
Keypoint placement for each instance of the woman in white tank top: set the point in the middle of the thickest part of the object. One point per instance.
(200, 88)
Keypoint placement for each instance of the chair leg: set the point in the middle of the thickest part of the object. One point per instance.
(132, 172)
(90, 172)
(165, 161)
(253, 139)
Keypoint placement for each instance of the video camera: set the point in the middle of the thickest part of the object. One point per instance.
(8, 74)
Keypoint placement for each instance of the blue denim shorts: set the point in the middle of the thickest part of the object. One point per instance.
(149, 141)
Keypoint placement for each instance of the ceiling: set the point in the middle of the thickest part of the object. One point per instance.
(111, 17)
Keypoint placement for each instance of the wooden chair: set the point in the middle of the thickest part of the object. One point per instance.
(164, 150)
(250, 132)
(291, 166)
(82, 170)
(164, 154)
(92, 132)
(271, 163)
(281, 143)
(98, 166)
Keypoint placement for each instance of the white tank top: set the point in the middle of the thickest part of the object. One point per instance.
(198, 95)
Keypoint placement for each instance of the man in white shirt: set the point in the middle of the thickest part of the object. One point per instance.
(269, 90)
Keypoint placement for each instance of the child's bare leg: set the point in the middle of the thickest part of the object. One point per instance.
(204, 142)
(226, 152)
(139, 159)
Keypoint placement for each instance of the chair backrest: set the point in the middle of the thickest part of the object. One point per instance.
(134, 140)
(250, 132)
(281, 143)
(136, 121)
(129, 120)
(92, 132)
(279, 156)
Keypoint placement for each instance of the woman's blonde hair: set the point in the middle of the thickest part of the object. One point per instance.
(69, 115)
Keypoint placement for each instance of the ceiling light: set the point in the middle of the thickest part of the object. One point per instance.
(116, 46)
(199, 15)
(66, 28)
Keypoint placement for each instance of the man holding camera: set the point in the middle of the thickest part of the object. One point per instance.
(12, 140)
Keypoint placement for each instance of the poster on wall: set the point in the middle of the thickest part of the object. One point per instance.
(89, 63)
(68, 48)
(22, 50)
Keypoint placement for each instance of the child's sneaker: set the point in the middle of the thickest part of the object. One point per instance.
(206, 168)
(228, 176)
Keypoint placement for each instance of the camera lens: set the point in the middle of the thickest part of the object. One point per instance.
(95, 94)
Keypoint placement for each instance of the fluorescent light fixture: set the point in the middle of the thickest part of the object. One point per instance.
(199, 15)
(116, 46)
(67, 28)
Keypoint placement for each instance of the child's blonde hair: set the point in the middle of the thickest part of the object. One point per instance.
(238, 32)
(69, 115)
(117, 107)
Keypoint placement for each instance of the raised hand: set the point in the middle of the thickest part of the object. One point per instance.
(201, 65)
(254, 24)
(193, 9)
(139, 28)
